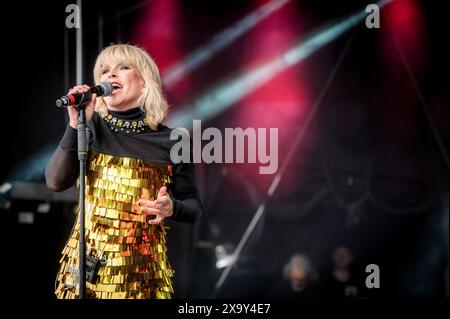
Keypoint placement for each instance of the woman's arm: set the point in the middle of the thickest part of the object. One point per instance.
(187, 206)
(187, 210)
(63, 168)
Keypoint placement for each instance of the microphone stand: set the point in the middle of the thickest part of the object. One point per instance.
(82, 157)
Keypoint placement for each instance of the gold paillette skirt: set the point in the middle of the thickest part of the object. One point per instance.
(134, 261)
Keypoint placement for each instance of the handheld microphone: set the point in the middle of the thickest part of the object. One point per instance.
(105, 88)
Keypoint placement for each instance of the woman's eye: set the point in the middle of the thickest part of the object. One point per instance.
(124, 67)
(104, 71)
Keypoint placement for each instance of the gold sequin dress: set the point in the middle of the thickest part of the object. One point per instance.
(127, 161)
(136, 263)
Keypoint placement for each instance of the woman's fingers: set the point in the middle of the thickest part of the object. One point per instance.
(155, 221)
(159, 214)
(149, 207)
(79, 89)
(160, 207)
(147, 203)
(162, 201)
(152, 211)
(92, 103)
(73, 112)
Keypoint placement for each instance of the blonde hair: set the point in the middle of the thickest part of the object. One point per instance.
(152, 100)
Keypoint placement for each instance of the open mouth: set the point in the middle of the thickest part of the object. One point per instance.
(116, 86)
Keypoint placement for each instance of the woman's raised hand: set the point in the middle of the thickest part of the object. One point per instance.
(89, 109)
(161, 207)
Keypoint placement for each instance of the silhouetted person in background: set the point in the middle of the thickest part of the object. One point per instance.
(299, 280)
(343, 282)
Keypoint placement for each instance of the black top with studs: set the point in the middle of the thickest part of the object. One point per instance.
(112, 135)
(130, 121)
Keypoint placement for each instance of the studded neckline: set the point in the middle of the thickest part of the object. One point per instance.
(129, 121)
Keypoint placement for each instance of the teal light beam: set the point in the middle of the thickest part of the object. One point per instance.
(225, 95)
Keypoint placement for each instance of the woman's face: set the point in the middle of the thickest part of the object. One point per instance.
(127, 83)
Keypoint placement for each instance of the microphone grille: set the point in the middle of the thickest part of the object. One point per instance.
(107, 88)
